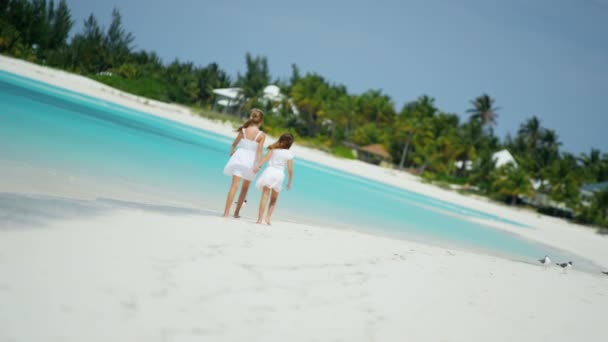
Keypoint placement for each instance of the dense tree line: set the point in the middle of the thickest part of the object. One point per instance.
(419, 136)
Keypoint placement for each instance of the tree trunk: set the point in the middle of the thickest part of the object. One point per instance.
(513, 199)
(404, 153)
(423, 168)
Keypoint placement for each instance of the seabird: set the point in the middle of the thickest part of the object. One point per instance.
(565, 264)
(545, 260)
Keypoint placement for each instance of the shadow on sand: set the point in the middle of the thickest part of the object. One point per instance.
(19, 211)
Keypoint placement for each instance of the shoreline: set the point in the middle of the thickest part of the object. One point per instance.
(559, 233)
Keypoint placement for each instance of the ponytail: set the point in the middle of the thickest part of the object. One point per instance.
(285, 141)
(256, 117)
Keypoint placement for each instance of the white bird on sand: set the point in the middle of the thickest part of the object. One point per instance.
(545, 261)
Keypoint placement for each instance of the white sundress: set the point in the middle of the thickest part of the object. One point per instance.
(274, 174)
(242, 162)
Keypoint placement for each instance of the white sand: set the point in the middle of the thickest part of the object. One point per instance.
(137, 276)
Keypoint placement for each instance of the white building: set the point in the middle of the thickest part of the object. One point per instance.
(232, 98)
(229, 98)
(500, 158)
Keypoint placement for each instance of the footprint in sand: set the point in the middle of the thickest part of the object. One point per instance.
(398, 256)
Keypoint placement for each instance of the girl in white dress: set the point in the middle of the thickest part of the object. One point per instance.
(246, 150)
(279, 157)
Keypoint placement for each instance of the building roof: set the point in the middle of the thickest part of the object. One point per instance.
(595, 187)
(376, 149)
(503, 157)
(231, 93)
(500, 158)
(273, 93)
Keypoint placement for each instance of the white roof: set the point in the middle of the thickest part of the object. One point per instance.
(227, 102)
(500, 158)
(272, 90)
(273, 93)
(231, 93)
(503, 157)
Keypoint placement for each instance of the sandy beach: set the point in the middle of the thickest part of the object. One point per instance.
(115, 272)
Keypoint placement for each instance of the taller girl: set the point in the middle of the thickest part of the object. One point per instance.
(246, 150)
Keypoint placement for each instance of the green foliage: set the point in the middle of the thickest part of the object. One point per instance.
(182, 81)
(600, 204)
(564, 180)
(33, 29)
(89, 51)
(368, 134)
(343, 152)
(117, 41)
(511, 181)
(128, 71)
(61, 24)
(483, 110)
(143, 86)
(596, 212)
(483, 172)
(256, 77)
(209, 78)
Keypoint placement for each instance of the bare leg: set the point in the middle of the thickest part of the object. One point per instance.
(242, 197)
(233, 188)
(273, 203)
(265, 194)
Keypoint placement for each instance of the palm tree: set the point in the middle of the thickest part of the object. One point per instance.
(512, 181)
(482, 172)
(565, 180)
(531, 132)
(483, 110)
(550, 146)
(592, 163)
(256, 77)
(545, 154)
(467, 141)
(413, 123)
(550, 139)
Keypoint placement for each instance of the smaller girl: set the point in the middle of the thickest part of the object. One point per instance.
(274, 174)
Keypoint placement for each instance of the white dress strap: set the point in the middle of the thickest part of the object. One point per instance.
(257, 135)
(244, 134)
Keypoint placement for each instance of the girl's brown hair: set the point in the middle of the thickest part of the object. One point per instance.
(284, 142)
(256, 117)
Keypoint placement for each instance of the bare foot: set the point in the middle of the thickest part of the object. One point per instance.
(236, 216)
(268, 223)
(259, 222)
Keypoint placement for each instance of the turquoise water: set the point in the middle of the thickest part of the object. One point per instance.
(48, 127)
